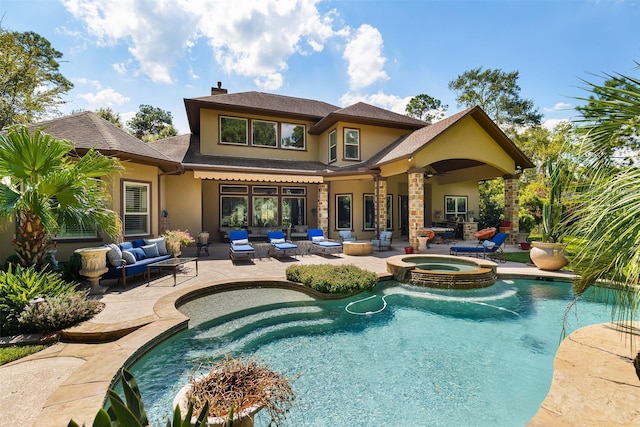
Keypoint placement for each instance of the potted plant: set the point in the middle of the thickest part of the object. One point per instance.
(176, 239)
(550, 254)
(236, 389)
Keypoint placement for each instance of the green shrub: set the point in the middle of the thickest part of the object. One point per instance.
(20, 285)
(329, 278)
(59, 312)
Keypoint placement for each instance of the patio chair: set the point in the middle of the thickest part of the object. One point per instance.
(491, 247)
(239, 247)
(346, 236)
(280, 245)
(322, 245)
(384, 241)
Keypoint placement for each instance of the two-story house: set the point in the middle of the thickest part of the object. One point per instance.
(264, 161)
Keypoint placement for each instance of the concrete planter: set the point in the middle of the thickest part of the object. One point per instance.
(243, 418)
(548, 256)
(94, 265)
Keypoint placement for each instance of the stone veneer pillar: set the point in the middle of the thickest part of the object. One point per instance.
(323, 208)
(511, 206)
(382, 204)
(416, 204)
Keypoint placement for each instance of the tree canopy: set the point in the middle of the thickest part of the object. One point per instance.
(425, 107)
(110, 115)
(152, 123)
(31, 84)
(498, 94)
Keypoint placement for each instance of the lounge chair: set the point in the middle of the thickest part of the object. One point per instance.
(346, 236)
(279, 243)
(491, 247)
(322, 245)
(239, 245)
(384, 241)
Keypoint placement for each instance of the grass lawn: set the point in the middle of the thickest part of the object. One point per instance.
(522, 257)
(9, 354)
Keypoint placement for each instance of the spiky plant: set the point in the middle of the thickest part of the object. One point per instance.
(45, 187)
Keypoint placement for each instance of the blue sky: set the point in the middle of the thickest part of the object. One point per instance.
(123, 53)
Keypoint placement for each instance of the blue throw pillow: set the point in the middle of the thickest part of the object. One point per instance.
(126, 246)
(138, 253)
(151, 251)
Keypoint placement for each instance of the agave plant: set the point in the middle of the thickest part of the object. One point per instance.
(45, 187)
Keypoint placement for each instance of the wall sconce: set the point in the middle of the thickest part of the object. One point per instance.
(410, 158)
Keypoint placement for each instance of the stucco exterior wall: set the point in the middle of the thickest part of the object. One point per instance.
(183, 202)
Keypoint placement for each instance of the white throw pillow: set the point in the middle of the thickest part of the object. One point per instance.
(114, 255)
(488, 244)
(160, 242)
(317, 239)
(276, 241)
(240, 242)
(129, 257)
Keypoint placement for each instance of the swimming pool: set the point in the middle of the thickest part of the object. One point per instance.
(408, 355)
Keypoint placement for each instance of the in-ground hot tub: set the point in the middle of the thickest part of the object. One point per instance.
(443, 271)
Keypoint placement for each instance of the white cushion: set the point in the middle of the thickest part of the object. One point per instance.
(151, 251)
(317, 239)
(488, 244)
(240, 242)
(276, 241)
(160, 243)
(114, 255)
(129, 257)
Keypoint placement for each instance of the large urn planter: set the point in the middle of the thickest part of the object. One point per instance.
(244, 418)
(94, 265)
(548, 256)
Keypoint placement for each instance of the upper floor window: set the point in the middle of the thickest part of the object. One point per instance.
(352, 144)
(292, 136)
(233, 130)
(333, 146)
(264, 133)
(137, 217)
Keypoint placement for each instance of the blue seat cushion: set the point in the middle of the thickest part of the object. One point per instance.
(327, 244)
(284, 246)
(242, 248)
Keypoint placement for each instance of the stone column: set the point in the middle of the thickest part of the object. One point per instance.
(511, 207)
(323, 208)
(416, 204)
(382, 204)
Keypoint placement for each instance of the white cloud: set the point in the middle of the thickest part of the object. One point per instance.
(380, 99)
(248, 38)
(560, 106)
(552, 123)
(102, 99)
(364, 57)
(85, 81)
(120, 68)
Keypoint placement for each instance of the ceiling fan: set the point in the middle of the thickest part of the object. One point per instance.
(430, 173)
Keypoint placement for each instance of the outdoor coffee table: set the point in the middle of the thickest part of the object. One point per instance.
(357, 248)
(171, 263)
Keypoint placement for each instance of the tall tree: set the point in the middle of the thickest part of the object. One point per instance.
(498, 94)
(425, 107)
(31, 85)
(608, 215)
(110, 115)
(47, 188)
(152, 123)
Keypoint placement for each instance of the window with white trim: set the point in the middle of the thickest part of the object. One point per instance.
(264, 134)
(455, 207)
(333, 146)
(344, 211)
(292, 136)
(351, 144)
(233, 130)
(136, 203)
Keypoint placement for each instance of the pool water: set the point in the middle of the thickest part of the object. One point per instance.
(401, 355)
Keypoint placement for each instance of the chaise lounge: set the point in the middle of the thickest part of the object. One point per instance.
(239, 247)
(491, 247)
(320, 244)
(279, 244)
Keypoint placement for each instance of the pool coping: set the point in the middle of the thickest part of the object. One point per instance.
(572, 398)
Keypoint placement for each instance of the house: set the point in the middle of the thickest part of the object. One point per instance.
(264, 161)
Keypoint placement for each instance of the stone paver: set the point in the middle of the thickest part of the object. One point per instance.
(593, 374)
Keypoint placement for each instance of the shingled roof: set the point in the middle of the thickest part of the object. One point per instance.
(257, 103)
(88, 130)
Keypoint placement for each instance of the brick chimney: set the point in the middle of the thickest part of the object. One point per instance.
(218, 90)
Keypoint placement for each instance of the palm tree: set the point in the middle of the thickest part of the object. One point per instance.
(607, 217)
(46, 187)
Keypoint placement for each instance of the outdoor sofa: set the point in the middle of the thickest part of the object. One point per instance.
(130, 258)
